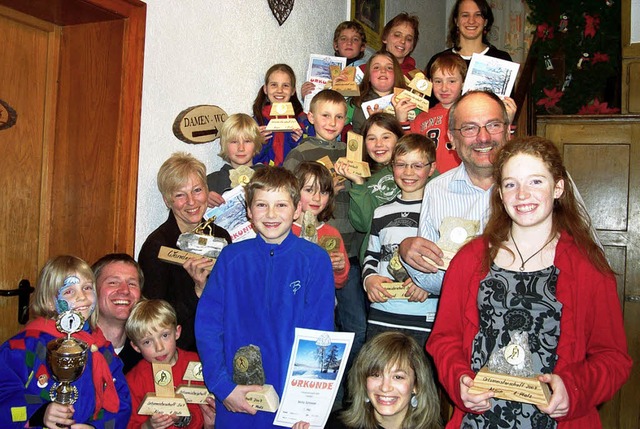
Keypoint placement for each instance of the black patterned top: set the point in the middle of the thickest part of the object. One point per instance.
(510, 301)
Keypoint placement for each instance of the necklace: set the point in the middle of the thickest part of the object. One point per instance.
(524, 261)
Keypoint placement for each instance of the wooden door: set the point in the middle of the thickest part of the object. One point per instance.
(23, 87)
(602, 154)
(72, 70)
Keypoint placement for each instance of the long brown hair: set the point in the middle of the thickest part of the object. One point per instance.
(262, 99)
(322, 178)
(453, 39)
(365, 85)
(386, 350)
(568, 213)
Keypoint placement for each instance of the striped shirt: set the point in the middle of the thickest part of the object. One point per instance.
(450, 194)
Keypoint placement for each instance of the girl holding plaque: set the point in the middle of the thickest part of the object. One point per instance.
(279, 87)
(537, 271)
(64, 304)
(317, 199)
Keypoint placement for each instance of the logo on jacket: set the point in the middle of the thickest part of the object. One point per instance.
(295, 286)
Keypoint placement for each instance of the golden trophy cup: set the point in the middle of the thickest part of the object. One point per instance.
(66, 357)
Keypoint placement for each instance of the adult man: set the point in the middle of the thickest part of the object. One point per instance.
(478, 127)
(119, 281)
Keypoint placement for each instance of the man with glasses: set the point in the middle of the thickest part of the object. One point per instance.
(478, 127)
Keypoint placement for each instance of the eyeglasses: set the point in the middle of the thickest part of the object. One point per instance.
(418, 166)
(473, 130)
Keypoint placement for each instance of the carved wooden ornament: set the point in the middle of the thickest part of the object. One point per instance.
(281, 9)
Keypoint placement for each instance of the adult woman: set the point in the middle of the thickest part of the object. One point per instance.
(469, 26)
(182, 181)
(391, 386)
(538, 270)
(399, 38)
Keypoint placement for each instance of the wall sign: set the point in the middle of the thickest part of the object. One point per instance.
(8, 116)
(199, 124)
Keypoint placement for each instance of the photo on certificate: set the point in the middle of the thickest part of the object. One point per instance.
(316, 367)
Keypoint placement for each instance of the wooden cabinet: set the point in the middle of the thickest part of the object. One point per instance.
(72, 71)
(630, 57)
(602, 154)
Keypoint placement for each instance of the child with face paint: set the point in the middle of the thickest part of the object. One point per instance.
(26, 381)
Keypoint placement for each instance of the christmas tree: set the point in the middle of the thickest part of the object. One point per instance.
(577, 46)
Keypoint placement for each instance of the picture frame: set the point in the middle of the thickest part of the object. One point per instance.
(370, 14)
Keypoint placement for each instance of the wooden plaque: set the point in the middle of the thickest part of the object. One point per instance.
(199, 124)
(264, 400)
(194, 394)
(177, 256)
(355, 146)
(421, 102)
(519, 389)
(164, 400)
(359, 168)
(397, 289)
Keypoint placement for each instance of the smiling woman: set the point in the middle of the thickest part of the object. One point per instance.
(183, 185)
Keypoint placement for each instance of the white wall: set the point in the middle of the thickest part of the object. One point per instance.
(216, 52)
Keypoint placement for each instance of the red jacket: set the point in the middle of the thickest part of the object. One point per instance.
(592, 350)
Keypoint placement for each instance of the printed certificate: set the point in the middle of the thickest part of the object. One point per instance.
(317, 364)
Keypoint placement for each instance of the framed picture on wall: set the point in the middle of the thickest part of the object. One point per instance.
(370, 13)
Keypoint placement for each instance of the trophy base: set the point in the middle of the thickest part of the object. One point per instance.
(152, 404)
(397, 289)
(264, 400)
(194, 394)
(179, 257)
(359, 168)
(346, 89)
(283, 124)
(421, 102)
(519, 389)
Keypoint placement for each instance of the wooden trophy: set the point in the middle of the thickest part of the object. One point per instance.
(196, 244)
(164, 400)
(455, 232)
(419, 89)
(354, 158)
(347, 88)
(508, 374)
(194, 393)
(399, 274)
(248, 370)
(284, 118)
(326, 161)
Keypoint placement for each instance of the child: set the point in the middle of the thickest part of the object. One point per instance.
(391, 386)
(153, 329)
(258, 292)
(349, 41)
(317, 196)
(382, 73)
(381, 133)
(413, 162)
(26, 381)
(448, 72)
(279, 87)
(240, 141)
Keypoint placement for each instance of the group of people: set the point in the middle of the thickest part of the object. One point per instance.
(535, 268)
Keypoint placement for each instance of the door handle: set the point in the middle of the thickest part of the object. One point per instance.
(23, 292)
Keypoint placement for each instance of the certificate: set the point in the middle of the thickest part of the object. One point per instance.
(318, 73)
(490, 74)
(317, 364)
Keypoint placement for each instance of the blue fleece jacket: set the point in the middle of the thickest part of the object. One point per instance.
(258, 293)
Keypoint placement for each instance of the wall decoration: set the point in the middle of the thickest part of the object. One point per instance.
(577, 46)
(370, 13)
(199, 124)
(281, 9)
(8, 116)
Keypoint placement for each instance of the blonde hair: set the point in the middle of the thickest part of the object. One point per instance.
(148, 315)
(239, 126)
(51, 279)
(175, 172)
